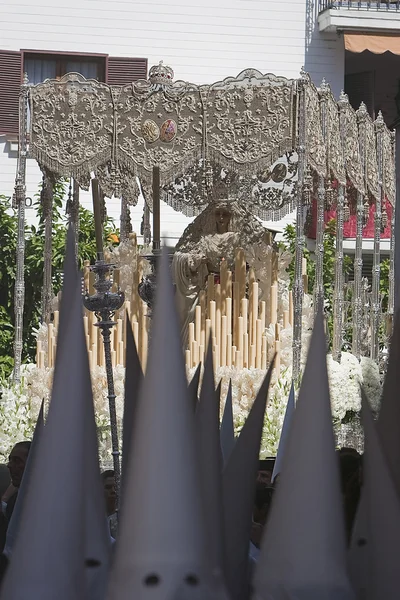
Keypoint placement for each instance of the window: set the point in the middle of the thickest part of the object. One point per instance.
(41, 65)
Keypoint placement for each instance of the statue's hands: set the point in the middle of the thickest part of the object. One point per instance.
(196, 262)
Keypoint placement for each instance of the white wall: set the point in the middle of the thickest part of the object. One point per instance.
(324, 52)
(203, 41)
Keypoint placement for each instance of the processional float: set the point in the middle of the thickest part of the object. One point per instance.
(176, 139)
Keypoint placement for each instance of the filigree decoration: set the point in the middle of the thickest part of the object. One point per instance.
(350, 141)
(128, 186)
(159, 127)
(315, 142)
(368, 151)
(333, 143)
(71, 125)
(250, 120)
(270, 195)
(389, 169)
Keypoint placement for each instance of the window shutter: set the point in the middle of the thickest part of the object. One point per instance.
(10, 81)
(360, 88)
(121, 71)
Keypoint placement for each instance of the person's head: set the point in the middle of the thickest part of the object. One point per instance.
(109, 491)
(265, 470)
(262, 503)
(17, 461)
(222, 217)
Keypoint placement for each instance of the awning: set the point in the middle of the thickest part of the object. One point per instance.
(378, 44)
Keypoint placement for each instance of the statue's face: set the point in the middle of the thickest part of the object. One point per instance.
(222, 218)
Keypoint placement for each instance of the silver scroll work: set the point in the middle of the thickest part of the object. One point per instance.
(380, 128)
(302, 87)
(46, 200)
(392, 228)
(243, 124)
(357, 178)
(335, 173)
(19, 203)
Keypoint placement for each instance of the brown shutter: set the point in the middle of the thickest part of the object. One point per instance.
(360, 88)
(10, 81)
(121, 71)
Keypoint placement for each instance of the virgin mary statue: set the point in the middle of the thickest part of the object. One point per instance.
(215, 234)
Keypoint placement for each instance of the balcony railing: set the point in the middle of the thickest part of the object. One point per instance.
(390, 5)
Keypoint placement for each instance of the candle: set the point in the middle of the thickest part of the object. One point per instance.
(198, 324)
(208, 332)
(50, 345)
(195, 353)
(285, 319)
(223, 341)
(201, 353)
(228, 304)
(263, 315)
(224, 281)
(188, 359)
(258, 344)
(210, 289)
(135, 328)
(229, 284)
(254, 310)
(240, 335)
(212, 316)
(274, 303)
(252, 356)
(121, 353)
(236, 308)
(38, 351)
(191, 335)
(229, 350)
(244, 311)
(263, 360)
(218, 313)
(246, 350)
(98, 225)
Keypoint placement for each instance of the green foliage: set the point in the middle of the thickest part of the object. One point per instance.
(384, 283)
(34, 264)
(329, 263)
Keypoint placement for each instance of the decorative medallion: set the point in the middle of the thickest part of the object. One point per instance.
(150, 131)
(168, 130)
(279, 173)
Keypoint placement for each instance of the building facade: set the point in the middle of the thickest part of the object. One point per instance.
(203, 42)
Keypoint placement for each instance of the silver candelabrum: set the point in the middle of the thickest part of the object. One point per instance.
(104, 303)
(148, 286)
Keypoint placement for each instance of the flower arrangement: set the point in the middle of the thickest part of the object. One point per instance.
(19, 405)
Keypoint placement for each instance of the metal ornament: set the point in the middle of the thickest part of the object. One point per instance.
(46, 199)
(319, 242)
(302, 86)
(104, 304)
(376, 267)
(341, 216)
(19, 203)
(392, 236)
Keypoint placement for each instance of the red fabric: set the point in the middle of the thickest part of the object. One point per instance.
(349, 229)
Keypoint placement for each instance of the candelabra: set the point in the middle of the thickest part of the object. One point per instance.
(103, 304)
(147, 287)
